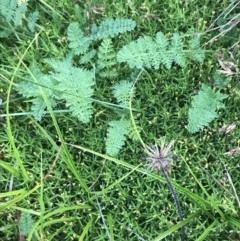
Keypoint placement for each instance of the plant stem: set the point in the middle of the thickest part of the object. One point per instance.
(176, 200)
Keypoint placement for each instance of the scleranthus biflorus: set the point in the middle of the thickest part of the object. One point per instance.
(160, 159)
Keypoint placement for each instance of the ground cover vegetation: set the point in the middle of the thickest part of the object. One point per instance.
(119, 121)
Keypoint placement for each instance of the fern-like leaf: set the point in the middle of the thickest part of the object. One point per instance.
(203, 109)
(87, 57)
(75, 86)
(20, 13)
(13, 10)
(176, 50)
(109, 74)
(65, 82)
(151, 53)
(78, 43)
(121, 92)
(106, 59)
(133, 53)
(78, 93)
(111, 27)
(32, 20)
(7, 9)
(29, 88)
(196, 53)
(162, 43)
(151, 57)
(65, 64)
(39, 107)
(146, 53)
(116, 136)
(25, 223)
(220, 81)
(106, 55)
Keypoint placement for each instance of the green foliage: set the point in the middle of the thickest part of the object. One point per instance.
(15, 11)
(160, 95)
(32, 20)
(121, 92)
(138, 54)
(220, 81)
(118, 130)
(67, 82)
(87, 57)
(196, 53)
(78, 43)
(107, 28)
(25, 223)
(111, 27)
(148, 52)
(116, 136)
(11, 10)
(133, 134)
(203, 109)
(176, 53)
(164, 58)
(29, 89)
(75, 86)
(106, 59)
(4, 32)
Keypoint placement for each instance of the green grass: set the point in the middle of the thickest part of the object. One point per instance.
(85, 186)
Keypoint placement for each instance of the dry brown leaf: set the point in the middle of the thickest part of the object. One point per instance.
(222, 129)
(150, 16)
(228, 67)
(97, 10)
(228, 73)
(231, 127)
(226, 129)
(232, 152)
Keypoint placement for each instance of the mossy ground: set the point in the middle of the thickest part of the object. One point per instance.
(136, 204)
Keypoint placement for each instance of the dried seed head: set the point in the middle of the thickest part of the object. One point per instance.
(160, 159)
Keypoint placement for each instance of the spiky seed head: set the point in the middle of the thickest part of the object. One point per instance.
(160, 158)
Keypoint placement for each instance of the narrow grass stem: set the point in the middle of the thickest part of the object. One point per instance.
(216, 180)
(101, 214)
(231, 182)
(131, 109)
(32, 113)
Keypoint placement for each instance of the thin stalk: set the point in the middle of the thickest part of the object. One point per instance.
(32, 113)
(101, 214)
(176, 200)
